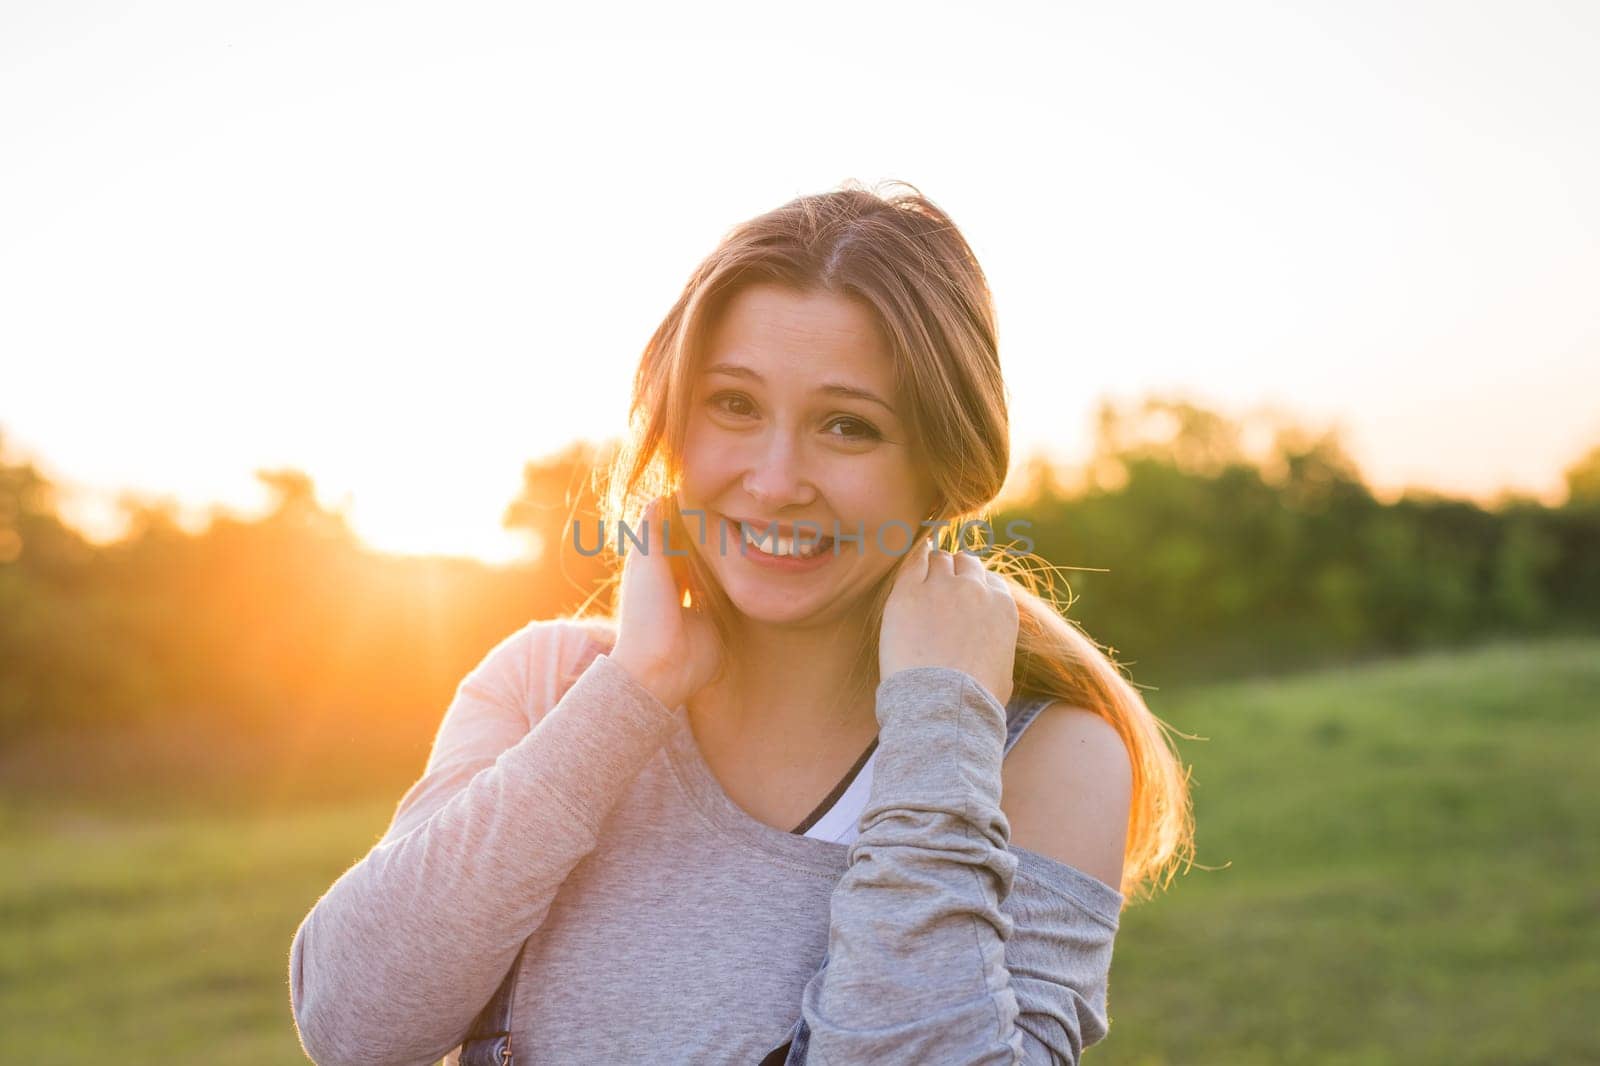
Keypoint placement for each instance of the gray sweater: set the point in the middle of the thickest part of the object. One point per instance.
(564, 802)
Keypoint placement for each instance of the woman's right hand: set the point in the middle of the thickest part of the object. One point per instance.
(670, 649)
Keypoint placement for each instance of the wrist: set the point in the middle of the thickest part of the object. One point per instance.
(647, 675)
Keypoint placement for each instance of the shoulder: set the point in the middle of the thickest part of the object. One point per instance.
(1067, 788)
(529, 667)
(579, 633)
(495, 705)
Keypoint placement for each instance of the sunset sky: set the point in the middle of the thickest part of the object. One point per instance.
(405, 248)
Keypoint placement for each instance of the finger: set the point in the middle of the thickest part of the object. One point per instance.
(913, 565)
(643, 526)
(969, 565)
(660, 531)
(648, 555)
(1001, 585)
(941, 562)
(630, 545)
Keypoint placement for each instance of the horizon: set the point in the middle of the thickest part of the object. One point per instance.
(194, 517)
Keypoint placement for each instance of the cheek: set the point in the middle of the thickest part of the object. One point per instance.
(705, 465)
(879, 498)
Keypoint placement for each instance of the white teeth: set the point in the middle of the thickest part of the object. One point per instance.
(790, 546)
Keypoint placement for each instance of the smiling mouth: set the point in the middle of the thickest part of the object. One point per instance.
(756, 537)
(788, 549)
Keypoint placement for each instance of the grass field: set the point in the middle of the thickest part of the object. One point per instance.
(1405, 869)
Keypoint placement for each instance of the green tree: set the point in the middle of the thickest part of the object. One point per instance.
(1583, 480)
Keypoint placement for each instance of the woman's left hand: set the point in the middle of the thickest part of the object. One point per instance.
(948, 609)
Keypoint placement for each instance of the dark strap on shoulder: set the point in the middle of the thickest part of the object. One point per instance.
(1021, 712)
(488, 1040)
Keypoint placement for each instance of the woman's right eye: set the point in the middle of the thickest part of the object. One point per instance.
(737, 397)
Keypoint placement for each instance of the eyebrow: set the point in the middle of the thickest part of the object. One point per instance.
(833, 388)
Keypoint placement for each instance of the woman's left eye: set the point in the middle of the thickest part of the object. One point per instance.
(865, 431)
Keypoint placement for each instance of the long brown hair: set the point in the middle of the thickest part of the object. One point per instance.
(902, 256)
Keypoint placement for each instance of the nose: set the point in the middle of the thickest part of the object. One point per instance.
(776, 477)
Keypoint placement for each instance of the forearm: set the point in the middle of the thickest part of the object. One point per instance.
(916, 969)
(400, 954)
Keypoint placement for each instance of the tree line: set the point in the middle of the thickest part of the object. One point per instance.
(1186, 553)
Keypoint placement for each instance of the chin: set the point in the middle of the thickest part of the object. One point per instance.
(770, 606)
(777, 606)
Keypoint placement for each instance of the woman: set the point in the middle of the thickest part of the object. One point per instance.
(617, 852)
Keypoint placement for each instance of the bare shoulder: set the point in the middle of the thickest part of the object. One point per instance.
(1067, 789)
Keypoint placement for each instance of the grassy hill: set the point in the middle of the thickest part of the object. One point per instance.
(1411, 870)
(1403, 862)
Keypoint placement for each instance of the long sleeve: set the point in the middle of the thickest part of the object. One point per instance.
(398, 956)
(919, 960)
(1059, 957)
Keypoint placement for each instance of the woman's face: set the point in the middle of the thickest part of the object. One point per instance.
(794, 419)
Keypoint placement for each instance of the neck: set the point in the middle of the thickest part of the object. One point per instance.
(790, 688)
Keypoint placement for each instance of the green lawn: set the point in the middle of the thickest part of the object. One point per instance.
(1411, 870)
(1405, 861)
